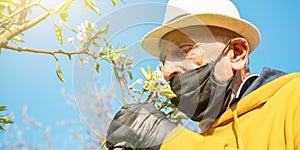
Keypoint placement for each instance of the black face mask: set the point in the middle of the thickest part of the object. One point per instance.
(200, 95)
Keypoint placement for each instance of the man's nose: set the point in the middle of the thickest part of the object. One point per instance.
(171, 69)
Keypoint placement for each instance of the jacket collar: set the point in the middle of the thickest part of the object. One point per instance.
(255, 81)
(250, 90)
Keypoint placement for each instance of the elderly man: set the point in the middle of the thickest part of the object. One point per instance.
(204, 46)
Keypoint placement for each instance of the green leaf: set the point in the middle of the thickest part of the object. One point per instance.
(173, 106)
(156, 99)
(0, 50)
(97, 67)
(145, 74)
(3, 5)
(146, 86)
(62, 7)
(105, 41)
(114, 58)
(92, 6)
(102, 53)
(1, 128)
(125, 101)
(178, 115)
(2, 108)
(5, 121)
(17, 39)
(58, 33)
(130, 75)
(103, 30)
(114, 2)
(160, 67)
(170, 96)
(8, 2)
(128, 62)
(59, 72)
(68, 26)
(102, 145)
(64, 16)
(89, 25)
(10, 10)
(121, 50)
(2, 15)
(123, 1)
(148, 70)
(169, 91)
(95, 44)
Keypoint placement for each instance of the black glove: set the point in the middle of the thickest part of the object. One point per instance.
(140, 126)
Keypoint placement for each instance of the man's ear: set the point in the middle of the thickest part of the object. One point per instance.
(239, 54)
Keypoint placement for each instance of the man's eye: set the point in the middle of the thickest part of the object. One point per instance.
(179, 53)
(186, 48)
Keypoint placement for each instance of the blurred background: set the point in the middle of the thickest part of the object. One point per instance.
(42, 107)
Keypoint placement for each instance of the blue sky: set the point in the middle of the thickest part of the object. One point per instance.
(30, 79)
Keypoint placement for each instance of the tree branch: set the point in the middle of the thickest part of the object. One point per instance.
(43, 7)
(125, 83)
(19, 11)
(15, 29)
(49, 52)
(161, 107)
(128, 90)
(141, 94)
(149, 97)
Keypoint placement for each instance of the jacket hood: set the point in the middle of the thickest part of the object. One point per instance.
(248, 103)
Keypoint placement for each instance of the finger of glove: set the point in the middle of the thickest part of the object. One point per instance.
(137, 124)
(126, 111)
(140, 107)
(125, 125)
(123, 110)
(134, 110)
(131, 124)
(121, 131)
(131, 134)
(154, 131)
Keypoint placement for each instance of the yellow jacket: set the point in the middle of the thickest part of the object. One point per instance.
(267, 118)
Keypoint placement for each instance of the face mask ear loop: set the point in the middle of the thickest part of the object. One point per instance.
(220, 56)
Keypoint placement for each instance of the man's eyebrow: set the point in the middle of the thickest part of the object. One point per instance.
(186, 44)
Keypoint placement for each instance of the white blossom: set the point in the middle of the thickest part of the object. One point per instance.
(70, 39)
(78, 28)
(80, 36)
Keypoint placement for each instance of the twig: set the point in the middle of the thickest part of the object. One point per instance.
(19, 11)
(125, 83)
(16, 29)
(43, 7)
(149, 96)
(53, 53)
(123, 94)
(161, 107)
(164, 104)
(129, 91)
(119, 80)
(141, 94)
(47, 138)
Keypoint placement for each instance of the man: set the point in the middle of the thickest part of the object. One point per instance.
(204, 46)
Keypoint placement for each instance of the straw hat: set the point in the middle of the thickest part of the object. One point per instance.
(184, 13)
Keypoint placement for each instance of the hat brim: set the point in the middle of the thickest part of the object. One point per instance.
(150, 42)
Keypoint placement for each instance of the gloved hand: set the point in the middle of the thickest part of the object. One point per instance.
(139, 125)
